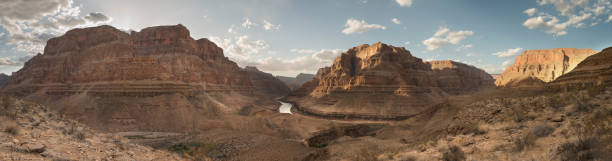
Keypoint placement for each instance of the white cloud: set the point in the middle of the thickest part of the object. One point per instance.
(530, 11)
(248, 23)
(551, 24)
(609, 19)
(240, 48)
(355, 26)
(309, 64)
(396, 21)
(507, 63)
(508, 53)
(444, 36)
(404, 3)
(464, 47)
(469, 54)
(572, 14)
(269, 26)
(407, 42)
(29, 24)
(6, 61)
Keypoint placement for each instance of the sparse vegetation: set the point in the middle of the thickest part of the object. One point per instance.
(13, 130)
(529, 139)
(583, 149)
(454, 153)
(198, 151)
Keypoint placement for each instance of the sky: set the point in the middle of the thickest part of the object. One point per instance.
(287, 37)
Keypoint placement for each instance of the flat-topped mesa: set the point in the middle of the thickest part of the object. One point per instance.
(156, 79)
(545, 65)
(594, 71)
(380, 80)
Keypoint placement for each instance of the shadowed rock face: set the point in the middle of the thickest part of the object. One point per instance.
(545, 65)
(383, 80)
(156, 79)
(596, 70)
(266, 83)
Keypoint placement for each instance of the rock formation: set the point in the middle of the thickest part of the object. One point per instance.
(266, 83)
(382, 81)
(156, 79)
(596, 70)
(536, 66)
(3, 79)
(295, 83)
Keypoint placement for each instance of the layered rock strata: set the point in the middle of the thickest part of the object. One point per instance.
(156, 79)
(385, 81)
(545, 65)
(594, 71)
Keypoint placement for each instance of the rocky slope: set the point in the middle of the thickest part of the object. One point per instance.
(535, 67)
(382, 81)
(156, 79)
(596, 70)
(295, 83)
(266, 83)
(29, 131)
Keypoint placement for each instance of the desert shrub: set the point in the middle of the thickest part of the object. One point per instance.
(68, 130)
(367, 154)
(198, 151)
(7, 106)
(13, 130)
(529, 139)
(80, 136)
(583, 149)
(542, 130)
(466, 128)
(454, 153)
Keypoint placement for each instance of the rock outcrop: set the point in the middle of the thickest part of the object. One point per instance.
(382, 81)
(295, 82)
(156, 79)
(544, 65)
(3, 79)
(594, 71)
(266, 83)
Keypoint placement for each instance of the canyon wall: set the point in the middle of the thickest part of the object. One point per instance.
(266, 83)
(385, 81)
(158, 79)
(594, 71)
(536, 67)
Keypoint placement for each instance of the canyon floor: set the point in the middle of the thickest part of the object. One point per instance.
(490, 125)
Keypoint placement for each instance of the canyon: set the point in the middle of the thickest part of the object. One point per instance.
(159, 94)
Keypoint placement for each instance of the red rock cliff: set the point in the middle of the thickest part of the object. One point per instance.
(156, 79)
(380, 80)
(594, 71)
(542, 65)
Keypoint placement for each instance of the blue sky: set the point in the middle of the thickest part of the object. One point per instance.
(287, 37)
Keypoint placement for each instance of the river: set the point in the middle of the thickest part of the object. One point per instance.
(285, 107)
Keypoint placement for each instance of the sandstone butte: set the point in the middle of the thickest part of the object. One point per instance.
(266, 83)
(594, 71)
(380, 81)
(534, 68)
(156, 79)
